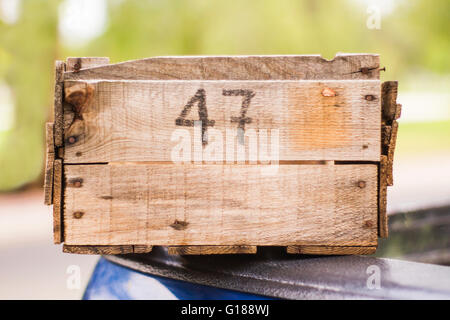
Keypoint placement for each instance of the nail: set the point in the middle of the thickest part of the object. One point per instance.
(71, 140)
(364, 70)
(361, 184)
(179, 225)
(368, 224)
(369, 97)
(78, 214)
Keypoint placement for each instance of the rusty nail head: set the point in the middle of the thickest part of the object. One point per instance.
(78, 214)
(77, 183)
(368, 224)
(361, 184)
(369, 97)
(71, 140)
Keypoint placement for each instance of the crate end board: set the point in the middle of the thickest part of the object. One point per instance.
(87, 89)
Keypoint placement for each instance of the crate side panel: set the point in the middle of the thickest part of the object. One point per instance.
(150, 204)
(147, 120)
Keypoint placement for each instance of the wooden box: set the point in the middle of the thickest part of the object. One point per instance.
(223, 154)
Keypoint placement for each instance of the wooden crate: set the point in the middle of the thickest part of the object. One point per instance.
(212, 155)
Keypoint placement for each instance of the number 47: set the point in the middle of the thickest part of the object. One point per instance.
(200, 99)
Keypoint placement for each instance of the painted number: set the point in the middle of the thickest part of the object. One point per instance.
(200, 99)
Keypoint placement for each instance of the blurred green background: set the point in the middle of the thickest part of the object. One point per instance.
(412, 38)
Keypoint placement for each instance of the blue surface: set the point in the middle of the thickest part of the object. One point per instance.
(111, 281)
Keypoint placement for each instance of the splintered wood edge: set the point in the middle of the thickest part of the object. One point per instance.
(50, 158)
(57, 201)
(290, 67)
(204, 250)
(382, 198)
(125, 249)
(330, 250)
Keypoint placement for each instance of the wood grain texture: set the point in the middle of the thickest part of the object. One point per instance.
(58, 230)
(202, 250)
(57, 104)
(50, 158)
(390, 154)
(142, 249)
(331, 250)
(382, 198)
(106, 249)
(293, 67)
(135, 120)
(153, 204)
(389, 91)
(74, 64)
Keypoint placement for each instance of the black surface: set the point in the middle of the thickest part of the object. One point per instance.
(274, 273)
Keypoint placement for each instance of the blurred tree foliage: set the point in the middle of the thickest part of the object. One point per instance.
(412, 38)
(28, 49)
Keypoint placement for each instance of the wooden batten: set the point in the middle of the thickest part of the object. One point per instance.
(291, 67)
(50, 158)
(331, 250)
(203, 250)
(58, 104)
(106, 250)
(58, 230)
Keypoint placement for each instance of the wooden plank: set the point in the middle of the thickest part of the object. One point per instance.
(98, 249)
(331, 250)
(106, 249)
(385, 138)
(57, 104)
(292, 67)
(382, 198)
(142, 249)
(142, 120)
(76, 64)
(203, 250)
(57, 201)
(154, 204)
(50, 158)
(390, 154)
(389, 90)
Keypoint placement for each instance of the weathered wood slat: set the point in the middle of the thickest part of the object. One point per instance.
(201, 250)
(154, 204)
(105, 250)
(390, 154)
(50, 158)
(135, 120)
(58, 233)
(382, 198)
(389, 90)
(331, 250)
(292, 67)
(57, 104)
